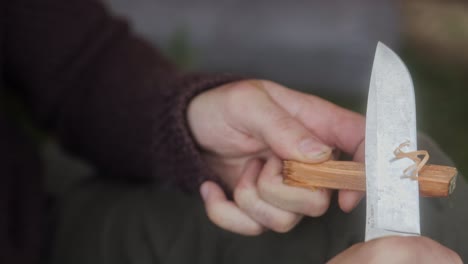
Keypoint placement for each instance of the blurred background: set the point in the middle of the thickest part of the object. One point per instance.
(321, 47)
(313, 45)
(325, 48)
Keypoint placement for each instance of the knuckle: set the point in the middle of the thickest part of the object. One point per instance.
(384, 247)
(285, 224)
(260, 212)
(407, 249)
(255, 230)
(280, 222)
(318, 206)
(456, 258)
(238, 97)
(232, 222)
(283, 122)
(266, 185)
(428, 245)
(241, 193)
(215, 216)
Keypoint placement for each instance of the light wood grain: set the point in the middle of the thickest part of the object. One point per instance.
(434, 180)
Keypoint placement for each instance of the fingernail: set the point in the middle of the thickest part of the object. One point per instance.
(313, 150)
(204, 191)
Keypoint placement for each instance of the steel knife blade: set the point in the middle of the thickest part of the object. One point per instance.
(392, 198)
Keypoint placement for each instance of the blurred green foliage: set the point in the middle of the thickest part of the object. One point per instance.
(180, 50)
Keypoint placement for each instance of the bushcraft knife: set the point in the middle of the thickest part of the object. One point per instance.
(392, 196)
(392, 164)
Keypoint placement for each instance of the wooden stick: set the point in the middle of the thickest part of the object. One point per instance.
(434, 180)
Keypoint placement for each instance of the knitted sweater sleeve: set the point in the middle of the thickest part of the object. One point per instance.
(106, 94)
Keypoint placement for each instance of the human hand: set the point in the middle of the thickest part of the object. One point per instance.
(245, 129)
(397, 250)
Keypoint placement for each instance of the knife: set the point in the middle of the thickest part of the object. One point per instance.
(392, 195)
(392, 199)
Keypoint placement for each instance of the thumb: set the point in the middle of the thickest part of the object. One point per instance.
(284, 134)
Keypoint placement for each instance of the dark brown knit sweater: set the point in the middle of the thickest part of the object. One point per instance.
(107, 95)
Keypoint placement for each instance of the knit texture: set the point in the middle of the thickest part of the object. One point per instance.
(108, 96)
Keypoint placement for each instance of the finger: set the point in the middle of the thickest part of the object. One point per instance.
(285, 135)
(397, 249)
(348, 200)
(334, 125)
(289, 198)
(225, 213)
(246, 196)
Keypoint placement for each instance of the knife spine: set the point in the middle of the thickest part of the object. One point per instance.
(434, 180)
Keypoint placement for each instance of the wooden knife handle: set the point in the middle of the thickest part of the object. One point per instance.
(434, 180)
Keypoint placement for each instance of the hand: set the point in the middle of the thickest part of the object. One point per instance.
(245, 129)
(401, 250)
